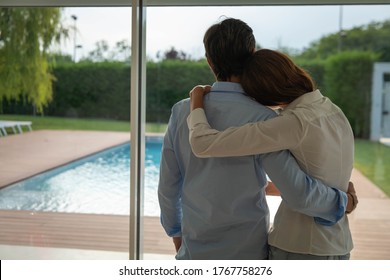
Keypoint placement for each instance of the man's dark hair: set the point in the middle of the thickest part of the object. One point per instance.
(228, 45)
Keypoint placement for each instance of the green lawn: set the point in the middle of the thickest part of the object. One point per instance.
(372, 159)
(81, 124)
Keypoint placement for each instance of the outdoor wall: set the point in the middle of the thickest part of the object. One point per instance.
(380, 110)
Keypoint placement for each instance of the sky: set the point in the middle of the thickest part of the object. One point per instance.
(183, 28)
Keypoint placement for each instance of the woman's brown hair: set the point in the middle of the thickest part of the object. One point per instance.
(272, 78)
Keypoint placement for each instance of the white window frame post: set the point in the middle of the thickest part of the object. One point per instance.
(137, 151)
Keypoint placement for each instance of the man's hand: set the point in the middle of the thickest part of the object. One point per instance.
(352, 198)
(196, 96)
(177, 242)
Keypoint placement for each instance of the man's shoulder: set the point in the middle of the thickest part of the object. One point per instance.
(241, 103)
(181, 107)
(249, 109)
(181, 103)
(255, 111)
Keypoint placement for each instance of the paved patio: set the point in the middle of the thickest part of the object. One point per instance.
(27, 154)
(28, 235)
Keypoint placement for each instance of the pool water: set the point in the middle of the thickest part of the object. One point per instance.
(97, 184)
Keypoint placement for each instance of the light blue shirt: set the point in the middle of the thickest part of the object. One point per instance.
(218, 205)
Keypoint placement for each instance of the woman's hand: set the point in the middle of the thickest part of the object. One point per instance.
(271, 189)
(352, 198)
(196, 96)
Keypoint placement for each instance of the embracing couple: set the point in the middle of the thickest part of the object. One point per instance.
(263, 116)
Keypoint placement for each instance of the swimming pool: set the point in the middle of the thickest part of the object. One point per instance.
(96, 184)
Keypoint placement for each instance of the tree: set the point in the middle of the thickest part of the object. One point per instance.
(25, 37)
(102, 52)
(122, 51)
(60, 58)
(173, 54)
(373, 37)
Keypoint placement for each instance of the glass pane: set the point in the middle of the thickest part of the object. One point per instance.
(308, 34)
(65, 165)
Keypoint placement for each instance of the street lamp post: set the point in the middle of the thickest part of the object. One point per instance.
(74, 37)
(342, 33)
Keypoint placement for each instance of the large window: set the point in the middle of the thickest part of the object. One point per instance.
(122, 68)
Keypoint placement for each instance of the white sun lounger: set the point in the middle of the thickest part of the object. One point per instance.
(16, 126)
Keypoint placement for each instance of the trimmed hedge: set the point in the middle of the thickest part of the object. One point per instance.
(348, 77)
(99, 90)
(170, 81)
(316, 68)
(102, 90)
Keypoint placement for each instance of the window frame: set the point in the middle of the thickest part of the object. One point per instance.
(138, 79)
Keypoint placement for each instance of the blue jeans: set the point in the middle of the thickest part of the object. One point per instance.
(279, 254)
